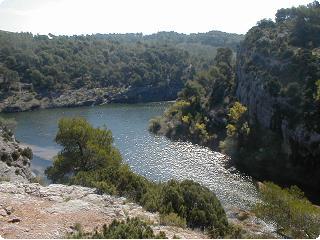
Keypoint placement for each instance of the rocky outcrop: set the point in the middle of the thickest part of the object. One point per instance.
(300, 145)
(34, 211)
(14, 161)
(26, 101)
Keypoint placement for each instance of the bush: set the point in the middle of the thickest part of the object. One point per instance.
(131, 229)
(197, 204)
(172, 219)
(15, 155)
(5, 157)
(27, 152)
(155, 125)
(293, 214)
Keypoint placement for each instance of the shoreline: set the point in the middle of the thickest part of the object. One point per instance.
(30, 101)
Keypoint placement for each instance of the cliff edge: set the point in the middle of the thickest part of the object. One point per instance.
(33, 211)
(14, 160)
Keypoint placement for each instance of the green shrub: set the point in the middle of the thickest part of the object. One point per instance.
(5, 157)
(293, 214)
(27, 152)
(172, 219)
(132, 228)
(155, 125)
(15, 155)
(197, 204)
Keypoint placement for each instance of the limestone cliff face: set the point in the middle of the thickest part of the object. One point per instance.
(14, 161)
(250, 91)
(300, 144)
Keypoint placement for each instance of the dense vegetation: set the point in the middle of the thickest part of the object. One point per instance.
(286, 54)
(293, 214)
(53, 64)
(283, 59)
(60, 63)
(130, 229)
(278, 62)
(190, 117)
(212, 38)
(89, 158)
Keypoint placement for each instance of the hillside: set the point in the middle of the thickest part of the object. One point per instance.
(278, 72)
(263, 110)
(35, 70)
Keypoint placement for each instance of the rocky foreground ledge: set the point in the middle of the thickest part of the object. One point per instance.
(29, 210)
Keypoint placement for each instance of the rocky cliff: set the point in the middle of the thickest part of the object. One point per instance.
(14, 161)
(276, 80)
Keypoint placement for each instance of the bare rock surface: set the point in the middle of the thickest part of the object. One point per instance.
(14, 165)
(33, 211)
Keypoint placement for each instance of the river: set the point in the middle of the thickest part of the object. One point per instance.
(154, 157)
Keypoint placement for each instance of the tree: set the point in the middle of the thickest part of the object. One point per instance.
(192, 91)
(84, 149)
(237, 130)
(11, 80)
(266, 23)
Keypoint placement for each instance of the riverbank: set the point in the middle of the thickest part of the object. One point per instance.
(27, 101)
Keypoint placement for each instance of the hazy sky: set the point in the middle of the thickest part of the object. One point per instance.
(146, 16)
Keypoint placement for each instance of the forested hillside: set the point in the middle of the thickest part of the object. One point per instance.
(199, 45)
(264, 109)
(60, 62)
(100, 68)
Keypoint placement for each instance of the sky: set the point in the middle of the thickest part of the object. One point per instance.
(69, 17)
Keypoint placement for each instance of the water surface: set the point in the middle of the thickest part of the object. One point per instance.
(154, 157)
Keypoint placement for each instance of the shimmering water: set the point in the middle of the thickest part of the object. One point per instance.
(155, 157)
